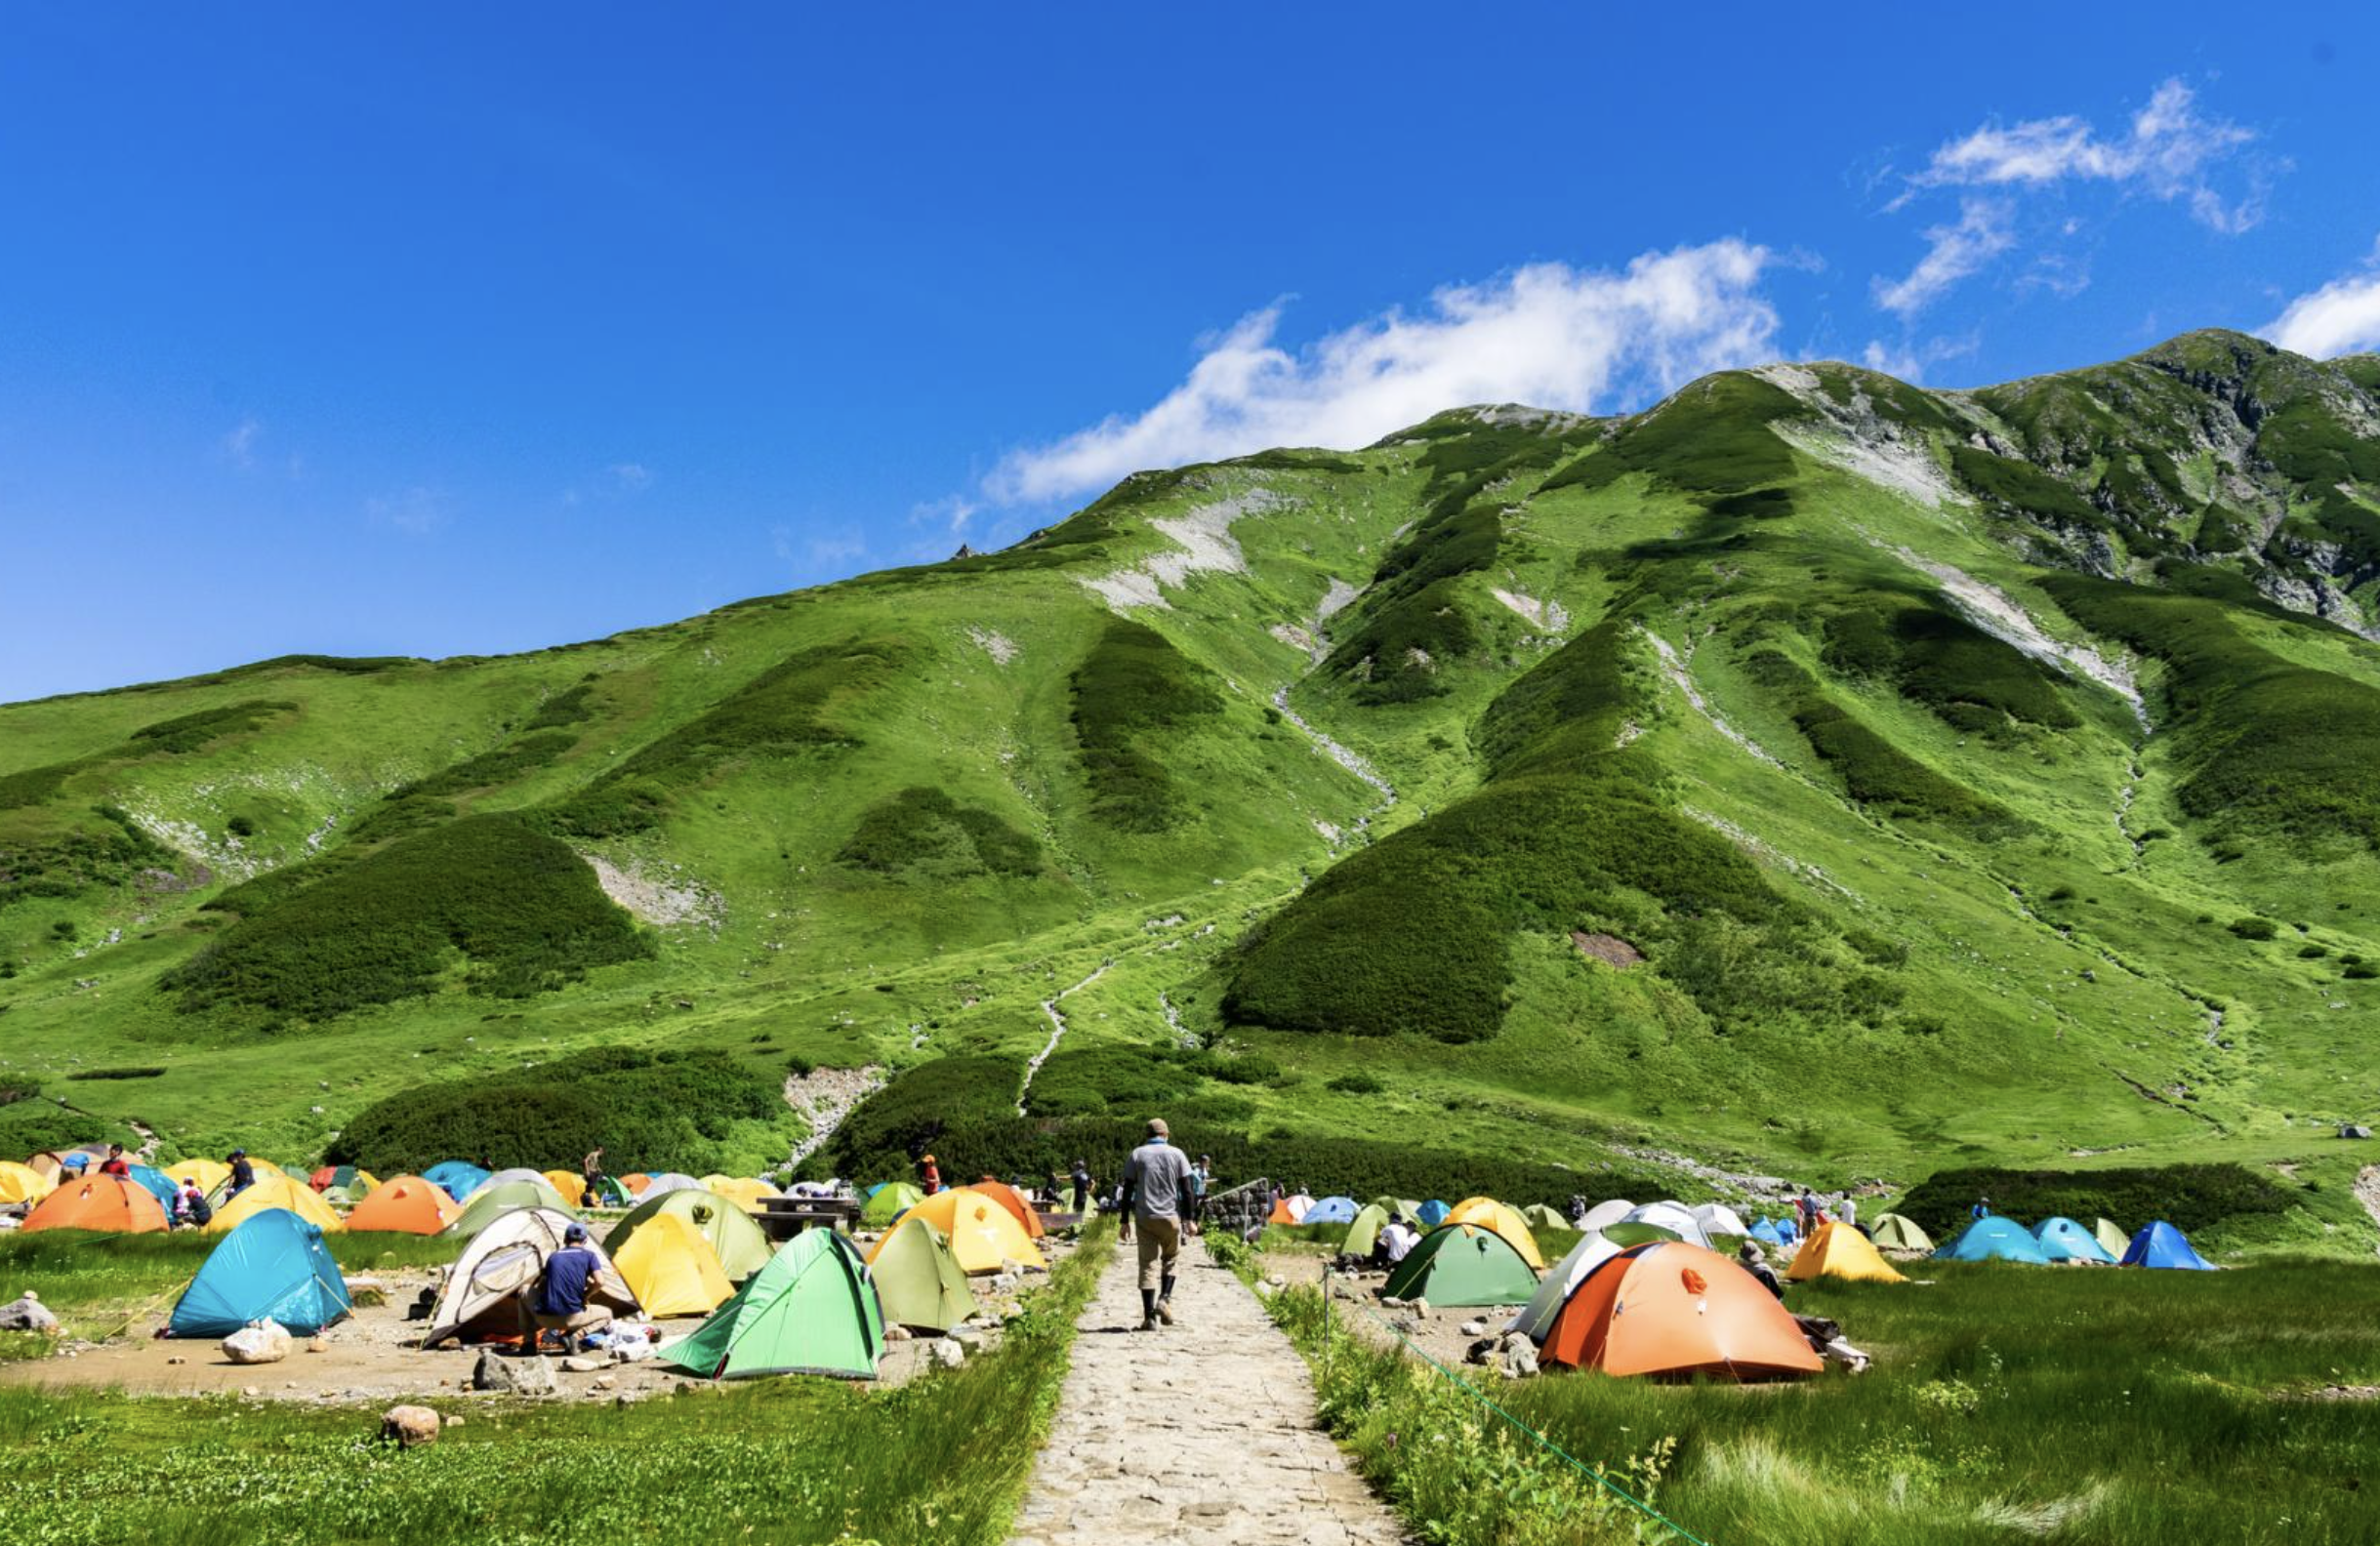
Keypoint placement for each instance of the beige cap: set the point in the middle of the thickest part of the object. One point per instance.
(1157, 1127)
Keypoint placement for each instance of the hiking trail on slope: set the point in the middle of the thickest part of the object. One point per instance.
(1202, 1431)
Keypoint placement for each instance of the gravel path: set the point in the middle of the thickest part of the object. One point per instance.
(1202, 1432)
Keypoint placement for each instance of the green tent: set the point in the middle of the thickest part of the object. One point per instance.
(918, 1281)
(889, 1204)
(809, 1312)
(1537, 1216)
(1364, 1231)
(1464, 1264)
(743, 1247)
(2112, 1241)
(491, 1202)
(1892, 1231)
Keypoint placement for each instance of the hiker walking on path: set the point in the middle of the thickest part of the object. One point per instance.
(1081, 1188)
(590, 1170)
(1157, 1197)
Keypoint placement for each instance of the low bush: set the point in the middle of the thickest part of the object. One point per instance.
(1133, 692)
(922, 831)
(2255, 928)
(86, 855)
(117, 1074)
(193, 731)
(2189, 1197)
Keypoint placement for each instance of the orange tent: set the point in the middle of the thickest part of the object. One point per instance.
(1676, 1309)
(405, 1206)
(1013, 1201)
(982, 1233)
(103, 1203)
(636, 1180)
(1281, 1213)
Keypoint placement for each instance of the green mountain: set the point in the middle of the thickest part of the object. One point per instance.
(1813, 774)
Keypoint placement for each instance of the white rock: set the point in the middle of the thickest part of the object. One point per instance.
(264, 1342)
(945, 1353)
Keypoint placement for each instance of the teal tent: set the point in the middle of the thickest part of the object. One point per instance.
(274, 1264)
(810, 1311)
(1431, 1215)
(158, 1185)
(1994, 1239)
(2064, 1240)
(2160, 1245)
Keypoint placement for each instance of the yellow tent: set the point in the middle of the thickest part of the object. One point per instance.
(1834, 1249)
(275, 1191)
(671, 1269)
(22, 1183)
(1491, 1215)
(208, 1173)
(982, 1232)
(571, 1184)
(743, 1191)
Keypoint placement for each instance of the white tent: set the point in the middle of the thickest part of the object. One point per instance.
(1717, 1219)
(1660, 1221)
(500, 1261)
(1606, 1213)
(1554, 1290)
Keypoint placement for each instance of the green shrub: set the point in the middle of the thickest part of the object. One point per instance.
(490, 769)
(80, 858)
(651, 1110)
(924, 832)
(1944, 663)
(2189, 1197)
(117, 1074)
(193, 731)
(2022, 488)
(520, 908)
(1358, 1085)
(1133, 692)
(569, 707)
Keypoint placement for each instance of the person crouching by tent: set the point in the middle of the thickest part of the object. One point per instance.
(190, 1208)
(1394, 1242)
(557, 1300)
(932, 1176)
(1757, 1264)
(243, 1175)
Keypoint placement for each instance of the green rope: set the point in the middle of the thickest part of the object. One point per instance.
(1481, 1397)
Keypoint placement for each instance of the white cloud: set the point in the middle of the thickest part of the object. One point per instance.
(1911, 361)
(1983, 231)
(240, 445)
(417, 511)
(629, 477)
(951, 513)
(2342, 317)
(1548, 335)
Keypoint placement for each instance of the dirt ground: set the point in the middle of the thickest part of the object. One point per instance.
(372, 1357)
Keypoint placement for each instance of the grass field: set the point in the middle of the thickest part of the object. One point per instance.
(942, 1459)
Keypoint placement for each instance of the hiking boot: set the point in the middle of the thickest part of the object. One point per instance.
(1148, 1323)
(1165, 1312)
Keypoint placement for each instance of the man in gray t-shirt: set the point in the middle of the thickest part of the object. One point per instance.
(1158, 1196)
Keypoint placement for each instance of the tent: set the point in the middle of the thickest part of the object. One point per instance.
(405, 1206)
(667, 1182)
(22, 1183)
(1718, 1221)
(2112, 1240)
(1298, 1204)
(2064, 1240)
(1464, 1264)
(1603, 1214)
(502, 1196)
(1332, 1210)
(1789, 1228)
(918, 1281)
(1536, 1317)
(1487, 1213)
(1282, 1212)
(1994, 1239)
(1363, 1230)
(45, 1165)
(275, 1191)
(738, 1242)
(1896, 1232)
(1766, 1233)
(514, 1174)
(1660, 1221)
(157, 1183)
(1537, 1216)
(888, 1203)
(1431, 1215)
(1836, 1249)
(208, 1173)
(343, 1183)
(2160, 1245)
(982, 1233)
(1674, 1309)
(671, 1269)
(274, 1265)
(810, 1311)
(743, 1191)
(101, 1202)
(459, 1178)
(477, 1301)
(569, 1184)
(635, 1182)
(1015, 1202)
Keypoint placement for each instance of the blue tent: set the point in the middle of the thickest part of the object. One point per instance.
(873, 1190)
(2064, 1240)
(1788, 1231)
(1766, 1232)
(1332, 1210)
(1433, 1213)
(1994, 1239)
(274, 1264)
(160, 1186)
(2160, 1245)
(457, 1178)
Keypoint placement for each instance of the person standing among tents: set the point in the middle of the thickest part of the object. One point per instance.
(1848, 1211)
(1200, 1174)
(932, 1182)
(1806, 1213)
(1158, 1196)
(557, 1300)
(1080, 1178)
(243, 1175)
(115, 1165)
(1981, 1208)
(591, 1169)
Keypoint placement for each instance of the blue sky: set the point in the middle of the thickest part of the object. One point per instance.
(443, 329)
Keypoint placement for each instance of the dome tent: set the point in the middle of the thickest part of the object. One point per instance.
(477, 1300)
(918, 1281)
(667, 1182)
(1604, 1214)
(277, 1191)
(498, 1197)
(1536, 1317)
(1994, 1239)
(1537, 1216)
(2160, 1245)
(1835, 1249)
(158, 1184)
(671, 1269)
(1464, 1264)
(22, 1183)
(888, 1203)
(1670, 1309)
(208, 1173)
(1895, 1232)
(458, 1178)
(1363, 1230)
(2112, 1239)
(1487, 1213)
(1660, 1221)
(981, 1233)
(404, 1205)
(2064, 1240)
(810, 1311)
(101, 1203)
(1766, 1233)
(1332, 1210)
(274, 1265)
(1431, 1215)
(1016, 1201)
(741, 1245)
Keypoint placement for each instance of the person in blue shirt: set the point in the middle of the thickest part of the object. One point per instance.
(1981, 1208)
(557, 1300)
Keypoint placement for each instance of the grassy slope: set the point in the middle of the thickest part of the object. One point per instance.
(2058, 986)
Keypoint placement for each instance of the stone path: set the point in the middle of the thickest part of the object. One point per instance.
(1202, 1431)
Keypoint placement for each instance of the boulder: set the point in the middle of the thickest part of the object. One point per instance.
(585, 1363)
(409, 1426)
(1473, 1328)
(514, 1376)
(1518, 1363)
(944, 1353)
(27, 1313)
(1419, 1307)
(1480, 1351)
(264, 1342)
(318, 1344)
